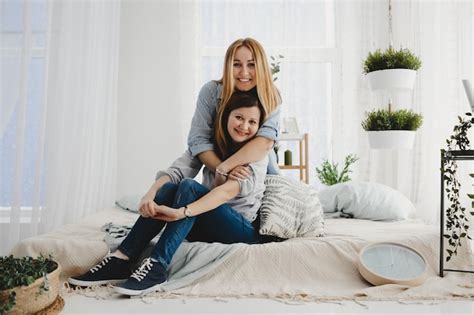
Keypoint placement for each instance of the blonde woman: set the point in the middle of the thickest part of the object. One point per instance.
(246, 69)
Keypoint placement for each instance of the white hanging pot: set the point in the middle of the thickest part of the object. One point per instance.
(391, 139)
(392, 79)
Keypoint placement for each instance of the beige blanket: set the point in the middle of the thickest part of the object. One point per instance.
(303, 269)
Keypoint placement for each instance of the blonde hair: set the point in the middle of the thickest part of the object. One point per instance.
(267, 92)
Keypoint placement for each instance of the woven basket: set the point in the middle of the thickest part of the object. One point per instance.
(30, 299)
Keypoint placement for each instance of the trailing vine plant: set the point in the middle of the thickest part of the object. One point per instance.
(457, 221)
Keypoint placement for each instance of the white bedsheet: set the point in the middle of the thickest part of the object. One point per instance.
(307, 269)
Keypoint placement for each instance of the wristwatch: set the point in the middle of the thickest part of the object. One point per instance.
(187, 212)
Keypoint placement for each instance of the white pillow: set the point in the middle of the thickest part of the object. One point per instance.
(363, 200)
(129, 203)
(290, 209)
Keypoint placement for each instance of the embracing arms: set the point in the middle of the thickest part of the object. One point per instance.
(253, 151)
(182, 167)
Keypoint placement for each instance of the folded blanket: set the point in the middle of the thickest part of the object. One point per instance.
(190, 262)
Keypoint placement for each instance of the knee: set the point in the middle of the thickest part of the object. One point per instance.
(169, 186)
(188, 184)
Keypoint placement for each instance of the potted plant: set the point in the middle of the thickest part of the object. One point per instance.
(392, 129)
(275, 65)
(28, 285)
(391, 69)
(329, 174)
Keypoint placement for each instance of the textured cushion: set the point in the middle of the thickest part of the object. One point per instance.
(364, 200)
(290, 209)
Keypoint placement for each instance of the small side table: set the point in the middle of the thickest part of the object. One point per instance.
(303, 165)
(457, 155)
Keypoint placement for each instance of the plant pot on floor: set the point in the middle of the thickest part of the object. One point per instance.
(392, 79)
(391, 139)
(34, 298)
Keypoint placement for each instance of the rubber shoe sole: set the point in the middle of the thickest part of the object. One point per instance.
(130, 292)
(83, 283)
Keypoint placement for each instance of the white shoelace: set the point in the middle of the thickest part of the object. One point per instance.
(141, 272)
(101, 264)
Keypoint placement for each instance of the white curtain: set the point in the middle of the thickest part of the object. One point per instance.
(71, 168)
(440, 32)
(331, 46)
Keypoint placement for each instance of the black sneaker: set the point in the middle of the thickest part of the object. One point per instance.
(110, 270)
(147, 278)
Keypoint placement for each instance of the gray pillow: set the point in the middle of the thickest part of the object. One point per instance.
(290, 209)
(129, 203)
(364, 200)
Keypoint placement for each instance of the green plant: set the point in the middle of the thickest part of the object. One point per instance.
(391, 59)
(275, 65)
(23, 271)
(329, 174)
(457, 222)
(383, 119)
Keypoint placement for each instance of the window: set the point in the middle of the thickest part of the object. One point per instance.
(23, 29)
(304, 33)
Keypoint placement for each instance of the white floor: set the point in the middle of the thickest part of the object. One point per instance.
(84, 305)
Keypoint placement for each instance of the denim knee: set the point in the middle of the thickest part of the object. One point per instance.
(187, 184)
(189, 190)
(168, 186)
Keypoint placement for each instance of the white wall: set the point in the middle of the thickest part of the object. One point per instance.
(150, 125)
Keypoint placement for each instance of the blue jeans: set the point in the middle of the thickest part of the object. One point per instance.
(222, 224)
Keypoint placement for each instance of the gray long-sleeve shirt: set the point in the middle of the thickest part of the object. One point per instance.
(248, 200)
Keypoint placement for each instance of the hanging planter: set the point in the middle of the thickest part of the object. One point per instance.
(392, 129)
(391, 139)
(403, 79)
(391, 69)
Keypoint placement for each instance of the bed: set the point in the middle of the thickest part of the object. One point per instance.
(306, 269)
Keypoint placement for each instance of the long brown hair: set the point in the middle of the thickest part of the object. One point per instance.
(267, 92)
(224, 143)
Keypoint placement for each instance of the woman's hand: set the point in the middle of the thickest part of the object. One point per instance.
(219, 179)
(240, 172)
(147, 206)
(168, 214)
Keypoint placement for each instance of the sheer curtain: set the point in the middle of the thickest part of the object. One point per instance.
(321, 78)
(440, 32)
(68, 163)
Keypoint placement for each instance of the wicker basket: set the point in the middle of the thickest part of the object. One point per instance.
(30, 299)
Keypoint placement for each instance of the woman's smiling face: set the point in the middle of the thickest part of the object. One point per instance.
(244, 69)
(243, 123)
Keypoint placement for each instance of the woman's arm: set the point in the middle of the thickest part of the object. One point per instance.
(213, 199)
(182, 167)
(255, 150)
(210, 159)
(202, 125)
(147, 203)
